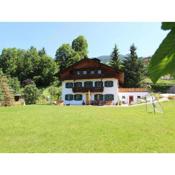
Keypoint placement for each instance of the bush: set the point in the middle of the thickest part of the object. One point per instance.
(14, 83)
(1, 95)
(54, 92)
(31, 94)
(42, 100)
(171, 90)
(163, 88)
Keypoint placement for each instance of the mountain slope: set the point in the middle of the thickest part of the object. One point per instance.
(106, 58)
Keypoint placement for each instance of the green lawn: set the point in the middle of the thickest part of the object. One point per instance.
(44, 128)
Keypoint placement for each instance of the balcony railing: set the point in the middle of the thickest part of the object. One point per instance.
(88, 89)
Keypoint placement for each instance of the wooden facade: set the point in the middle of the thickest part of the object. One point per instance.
(89, 65)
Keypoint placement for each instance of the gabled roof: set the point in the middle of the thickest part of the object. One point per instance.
(90, 64)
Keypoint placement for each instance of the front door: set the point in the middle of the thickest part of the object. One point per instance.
(131, 99)
(88, 98)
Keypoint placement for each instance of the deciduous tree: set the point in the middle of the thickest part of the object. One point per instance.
(66, 56)
(163, 60)
(31, 94)
(80, 45)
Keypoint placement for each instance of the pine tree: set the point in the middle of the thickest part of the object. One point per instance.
(134, 69)
(116, 62)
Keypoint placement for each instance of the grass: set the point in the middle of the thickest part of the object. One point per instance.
(44, 128)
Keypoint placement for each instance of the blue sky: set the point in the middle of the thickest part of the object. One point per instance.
(101, 37)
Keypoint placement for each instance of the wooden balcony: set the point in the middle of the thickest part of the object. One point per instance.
(86, 89)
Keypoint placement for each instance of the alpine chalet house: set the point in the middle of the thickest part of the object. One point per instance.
(91, 82)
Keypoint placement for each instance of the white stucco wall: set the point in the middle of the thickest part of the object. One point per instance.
(107, 90)
(134, 94)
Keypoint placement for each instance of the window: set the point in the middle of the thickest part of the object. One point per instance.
(78, 97)
(84, 72)
(88, 84)
(98, 84)
(69, 85)
(138, 97)
(98, 71)
(78, 84)
(108, 83)
(92, 72)
(109, 97)
(98, 97)
(78, 72)
(123, 97)
(68, 97)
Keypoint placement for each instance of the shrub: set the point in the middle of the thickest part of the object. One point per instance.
(171, 90)
(42, 100)
(55, 92)
(31, 94)
(14, 83)
(1, 95)
(160, 88)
